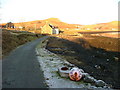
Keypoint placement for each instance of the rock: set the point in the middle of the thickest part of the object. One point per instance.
(89, 79)
(106, 87)
(99, 83)
(97, 66)
(85, 74)
(82, 70)
(116, 58)
(107, 59)
(100, 88)
(93, 87)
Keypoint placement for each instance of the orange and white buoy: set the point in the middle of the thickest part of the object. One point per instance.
(75, 74)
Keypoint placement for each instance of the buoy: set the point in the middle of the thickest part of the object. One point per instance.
(75, 74)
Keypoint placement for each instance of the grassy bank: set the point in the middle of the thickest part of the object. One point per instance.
(12, 39)
(96, 55)
(106, 43)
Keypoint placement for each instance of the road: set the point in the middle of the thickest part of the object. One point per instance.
(21, 68)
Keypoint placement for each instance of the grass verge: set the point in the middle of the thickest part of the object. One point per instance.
(12, 39)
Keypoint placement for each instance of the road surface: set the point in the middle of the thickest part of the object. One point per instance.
(21, 68)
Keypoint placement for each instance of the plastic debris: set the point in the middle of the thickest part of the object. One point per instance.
(64, 72)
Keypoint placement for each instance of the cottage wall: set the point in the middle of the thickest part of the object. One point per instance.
(56, 31)
(46, 29)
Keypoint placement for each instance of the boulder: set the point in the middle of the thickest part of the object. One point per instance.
(99, 83)
(89, 79)
(85, 74)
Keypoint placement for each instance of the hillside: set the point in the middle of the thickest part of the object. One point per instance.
(103, 26)
(38, 24)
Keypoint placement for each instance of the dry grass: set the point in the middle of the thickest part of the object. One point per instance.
(12, 39)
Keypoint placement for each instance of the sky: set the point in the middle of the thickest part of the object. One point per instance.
(83, 12)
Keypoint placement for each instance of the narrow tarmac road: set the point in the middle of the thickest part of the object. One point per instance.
(21, 68)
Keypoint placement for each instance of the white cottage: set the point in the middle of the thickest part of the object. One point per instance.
(55, 31)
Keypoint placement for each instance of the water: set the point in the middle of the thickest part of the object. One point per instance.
(98, 32)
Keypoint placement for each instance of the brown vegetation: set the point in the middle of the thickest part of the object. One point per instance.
(12, 39)
(38, 24)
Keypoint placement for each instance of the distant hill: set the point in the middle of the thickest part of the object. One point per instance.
(104, 26)
(39, 23)
(31, 25)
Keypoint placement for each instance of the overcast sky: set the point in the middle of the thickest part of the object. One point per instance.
(70, 11)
